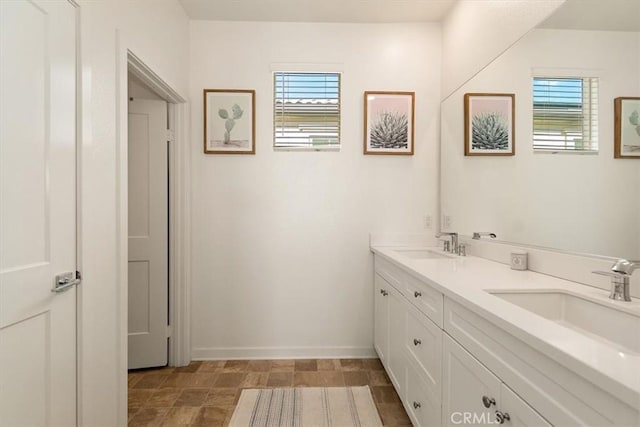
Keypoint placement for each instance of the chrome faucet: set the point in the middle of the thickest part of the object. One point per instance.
(620, 273)
(624, 266)
(454, 241)
(477, 235)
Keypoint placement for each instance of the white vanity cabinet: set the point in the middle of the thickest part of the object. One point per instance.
(473, 395)
(408, 341)
(443, 358)
(561, 396)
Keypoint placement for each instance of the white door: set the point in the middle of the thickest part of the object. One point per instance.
(37, 212)
(148, 233)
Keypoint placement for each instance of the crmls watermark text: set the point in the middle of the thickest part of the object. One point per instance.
(473, 418)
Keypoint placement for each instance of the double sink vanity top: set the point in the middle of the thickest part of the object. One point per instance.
(576, 325)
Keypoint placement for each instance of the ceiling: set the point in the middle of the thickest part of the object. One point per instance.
(602, 15)
(612, 15)
(318, 10)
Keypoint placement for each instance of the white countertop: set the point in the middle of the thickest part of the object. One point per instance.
(465, 279)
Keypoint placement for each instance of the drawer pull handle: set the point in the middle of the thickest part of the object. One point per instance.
(502, 417)
(417, 405)
(417, 342)
(417, 294)
(488, 401)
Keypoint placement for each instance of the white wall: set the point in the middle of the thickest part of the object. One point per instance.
(584, 203)
(281, 265)
(157, 32)
(475, 32)
(138, 90)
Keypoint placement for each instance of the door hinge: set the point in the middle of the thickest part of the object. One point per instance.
(170, 135)
(169, 331)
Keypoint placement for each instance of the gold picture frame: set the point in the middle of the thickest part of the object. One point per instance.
(489, 124)
(626, 140)
(229, 121)
(389, 122)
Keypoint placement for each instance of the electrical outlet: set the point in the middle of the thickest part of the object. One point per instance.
(446, 222)
(426, 221)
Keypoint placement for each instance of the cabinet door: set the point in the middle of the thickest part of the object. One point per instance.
(381, 318)
(396, 358)
(467, 384)
(519, 413)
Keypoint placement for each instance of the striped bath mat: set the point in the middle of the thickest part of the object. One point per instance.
(306, 407)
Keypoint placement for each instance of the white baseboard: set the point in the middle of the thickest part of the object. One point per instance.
(238, 353)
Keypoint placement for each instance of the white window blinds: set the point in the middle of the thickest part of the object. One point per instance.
(306, 110)
(565, 114)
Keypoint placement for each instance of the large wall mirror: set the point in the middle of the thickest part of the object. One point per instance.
(568, 197)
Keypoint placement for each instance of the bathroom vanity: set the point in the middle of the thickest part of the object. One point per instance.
(468, 341)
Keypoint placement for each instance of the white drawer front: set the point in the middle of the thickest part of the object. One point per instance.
(426, 299)
(423, 341)
(389, 272)
(423, 408)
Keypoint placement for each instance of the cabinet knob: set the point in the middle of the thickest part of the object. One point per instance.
(384, 293)
(502, 417)
(417, 294)
(488, 401)
(417, 342)
(416, 405)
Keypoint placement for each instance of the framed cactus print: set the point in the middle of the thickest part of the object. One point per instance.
(489, 124)
(626, 141)
(388, 122)
(229, 121)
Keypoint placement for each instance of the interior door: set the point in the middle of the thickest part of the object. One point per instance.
(37, 213)
(148, 233)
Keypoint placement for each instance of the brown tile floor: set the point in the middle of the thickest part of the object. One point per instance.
(205, 393)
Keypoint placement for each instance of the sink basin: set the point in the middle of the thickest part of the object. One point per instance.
(420, 254)
(601, 320)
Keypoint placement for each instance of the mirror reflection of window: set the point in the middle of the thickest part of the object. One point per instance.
(565, 114)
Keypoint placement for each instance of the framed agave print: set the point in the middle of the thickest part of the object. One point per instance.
(489, 124)
(388, 122)
(229, 121)
(626, 141)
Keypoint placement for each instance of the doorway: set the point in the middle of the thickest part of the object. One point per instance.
(148, 219)
(148, 86)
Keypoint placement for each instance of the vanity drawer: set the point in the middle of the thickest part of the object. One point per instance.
(421, 295)
(425, 298)
(389, 272)
(423, 341)
(421, 404)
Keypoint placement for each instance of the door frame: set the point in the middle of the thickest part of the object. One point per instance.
(179, 208)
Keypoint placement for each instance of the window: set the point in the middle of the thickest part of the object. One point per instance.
(306, 110)
(565, 114)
